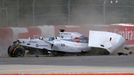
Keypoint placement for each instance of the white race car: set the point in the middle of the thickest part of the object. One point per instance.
(67, 43)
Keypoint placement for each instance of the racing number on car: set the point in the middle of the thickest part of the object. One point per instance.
(62, 45)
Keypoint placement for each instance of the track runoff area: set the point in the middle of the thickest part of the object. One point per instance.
(70, 65)
(77, 74)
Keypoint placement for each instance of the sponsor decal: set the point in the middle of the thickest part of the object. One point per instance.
(126, 31)
(32, 41)
(37, 45)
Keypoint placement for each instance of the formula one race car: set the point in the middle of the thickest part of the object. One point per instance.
(68, 43)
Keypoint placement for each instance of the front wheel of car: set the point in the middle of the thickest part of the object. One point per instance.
(16, 51)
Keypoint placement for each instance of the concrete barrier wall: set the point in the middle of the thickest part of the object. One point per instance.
(9, 34)
(126, 30)
(6, 36)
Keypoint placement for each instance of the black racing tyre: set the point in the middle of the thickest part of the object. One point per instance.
(19, 52)
(16, 51)
(10, 51)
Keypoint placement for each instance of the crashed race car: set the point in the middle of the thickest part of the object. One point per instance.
(67, 43)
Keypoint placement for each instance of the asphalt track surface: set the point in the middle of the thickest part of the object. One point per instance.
(68, 64)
